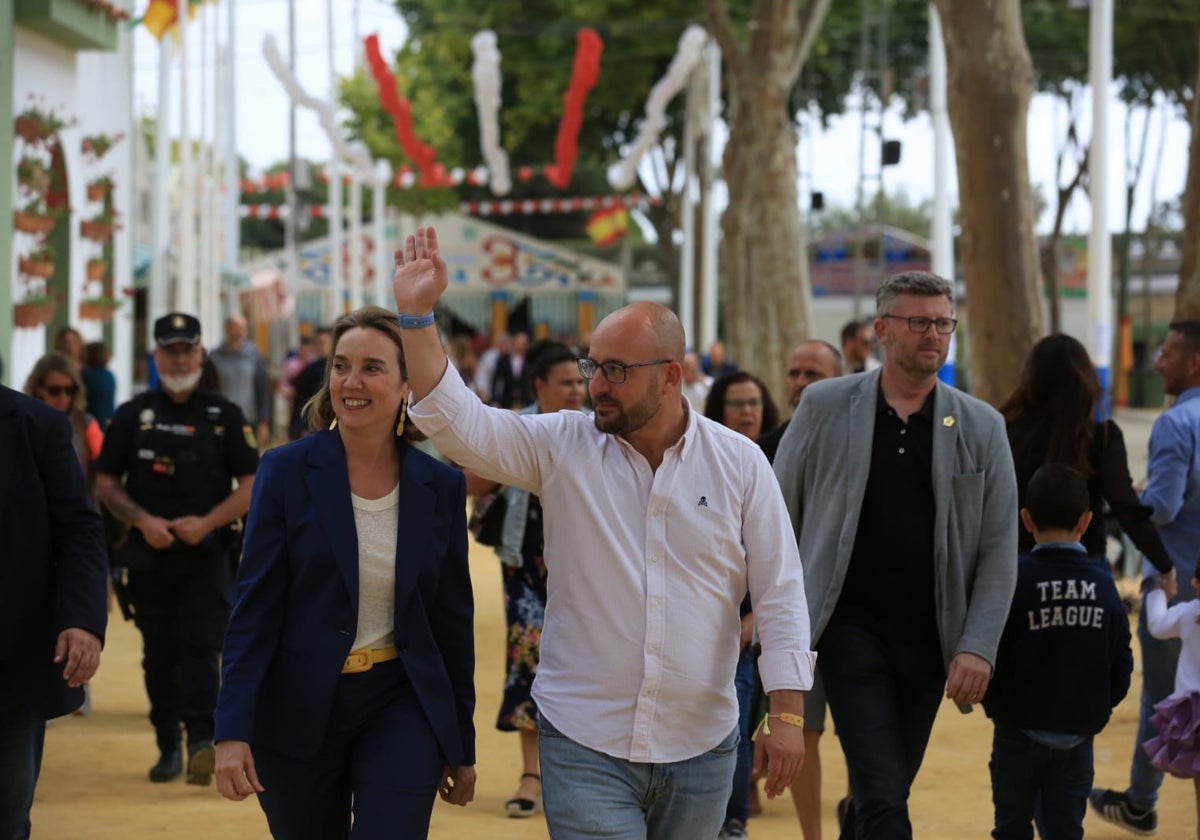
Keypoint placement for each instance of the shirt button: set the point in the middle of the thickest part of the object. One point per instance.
(653, 560)
(904, 431)
(901, 450)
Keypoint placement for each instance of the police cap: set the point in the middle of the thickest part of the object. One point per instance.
(176, 328)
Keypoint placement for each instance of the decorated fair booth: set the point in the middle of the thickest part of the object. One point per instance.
(493, 271)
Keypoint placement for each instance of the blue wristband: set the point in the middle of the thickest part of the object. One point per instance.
(415, 322)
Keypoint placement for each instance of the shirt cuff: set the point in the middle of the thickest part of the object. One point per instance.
(787, 670)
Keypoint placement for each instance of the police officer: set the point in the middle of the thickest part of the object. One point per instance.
(170, 458)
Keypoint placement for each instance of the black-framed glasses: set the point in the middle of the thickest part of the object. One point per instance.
(614, 372)
(920, 324)
(59, 390)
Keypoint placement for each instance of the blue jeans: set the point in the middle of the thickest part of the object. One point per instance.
(588, 794)
(1029, 778)
(1159, 658)
(743, 682)
(22, 735)
(883, 691)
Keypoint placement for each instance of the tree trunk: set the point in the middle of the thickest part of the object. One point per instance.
(990, 79)
(766, 294)
(1187, 298)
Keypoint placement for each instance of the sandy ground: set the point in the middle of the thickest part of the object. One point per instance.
(94, 787)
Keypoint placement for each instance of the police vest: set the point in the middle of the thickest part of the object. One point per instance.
(180, 466)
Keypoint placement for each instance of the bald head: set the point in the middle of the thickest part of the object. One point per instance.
(811, 361)
(654, 323)
(235, 330)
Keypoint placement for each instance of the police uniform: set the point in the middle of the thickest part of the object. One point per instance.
(179, 459)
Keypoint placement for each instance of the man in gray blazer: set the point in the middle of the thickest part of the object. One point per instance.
(904, 500)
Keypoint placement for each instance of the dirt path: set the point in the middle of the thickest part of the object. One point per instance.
(94, 786)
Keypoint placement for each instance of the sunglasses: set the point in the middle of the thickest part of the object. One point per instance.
(59, 390)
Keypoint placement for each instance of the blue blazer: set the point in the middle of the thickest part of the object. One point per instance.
(53, 566)
(295, 614)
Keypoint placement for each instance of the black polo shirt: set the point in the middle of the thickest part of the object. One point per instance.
(889, 585)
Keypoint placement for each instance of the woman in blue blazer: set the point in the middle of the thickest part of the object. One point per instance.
(348, 671)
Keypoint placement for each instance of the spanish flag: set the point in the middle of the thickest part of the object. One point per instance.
(606, 227)
(162, 16)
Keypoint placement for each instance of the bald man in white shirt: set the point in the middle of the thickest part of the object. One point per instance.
(657, 521)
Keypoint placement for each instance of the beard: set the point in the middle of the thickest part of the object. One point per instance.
(624, 421)
(180, 384)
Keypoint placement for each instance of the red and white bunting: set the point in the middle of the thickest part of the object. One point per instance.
(523, 207)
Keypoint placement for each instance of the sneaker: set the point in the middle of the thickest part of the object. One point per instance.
(168, 767)
(202, 759)
(733, 830)
(1116, 808)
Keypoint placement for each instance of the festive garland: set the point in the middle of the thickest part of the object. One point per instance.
(424, 156)
(354, 153)
(585, 72)
(485, 72)
(691, 48)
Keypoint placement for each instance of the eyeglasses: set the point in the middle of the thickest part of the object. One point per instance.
(920, 324)
(737, 405)
(59, 390)
(614, 372)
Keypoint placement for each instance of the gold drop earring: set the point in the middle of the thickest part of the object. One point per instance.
(403, 416)
(333, 424)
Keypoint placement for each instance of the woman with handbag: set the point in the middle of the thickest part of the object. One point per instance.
(510, 520)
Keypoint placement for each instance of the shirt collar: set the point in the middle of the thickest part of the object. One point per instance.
(926, 409)
(684, 445)
(1189, 394)
(1075, 546)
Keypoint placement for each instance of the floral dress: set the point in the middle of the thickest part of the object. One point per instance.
(525, 610)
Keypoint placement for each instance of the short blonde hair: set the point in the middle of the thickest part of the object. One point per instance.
(318, 411)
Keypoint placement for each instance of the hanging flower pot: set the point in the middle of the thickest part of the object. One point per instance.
(29, 222)
(99, 189)
(36, 124)
(32, 173)
(29, 129)
(97, 230)
(34, 312)
(98, 309)
(32, 267)
(96, 269)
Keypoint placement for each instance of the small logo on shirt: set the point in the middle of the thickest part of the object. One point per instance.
(703, 502)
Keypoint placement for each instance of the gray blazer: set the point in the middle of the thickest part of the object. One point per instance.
(822, 466)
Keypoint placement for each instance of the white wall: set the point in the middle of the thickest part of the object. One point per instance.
(94, 90)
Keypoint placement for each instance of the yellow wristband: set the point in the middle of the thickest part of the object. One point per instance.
(783, 717)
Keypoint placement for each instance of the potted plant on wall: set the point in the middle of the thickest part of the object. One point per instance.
(99, 188)
(35, 309)
(38, 263)
(99, 228)
(97, 267)
(33, 174)
(96, 146)
(35, 217)
(36, 124)
(99, 308)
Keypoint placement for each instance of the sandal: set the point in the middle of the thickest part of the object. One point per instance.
(520, 807)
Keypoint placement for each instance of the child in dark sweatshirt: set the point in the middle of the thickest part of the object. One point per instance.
(1064, 662)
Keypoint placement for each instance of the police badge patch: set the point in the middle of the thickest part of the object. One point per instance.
(249, 435)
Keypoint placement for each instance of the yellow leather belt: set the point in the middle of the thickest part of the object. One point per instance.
(364, 659)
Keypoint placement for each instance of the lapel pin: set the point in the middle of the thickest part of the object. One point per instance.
(948, 421)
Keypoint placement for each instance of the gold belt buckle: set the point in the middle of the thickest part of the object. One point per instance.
(357, 662)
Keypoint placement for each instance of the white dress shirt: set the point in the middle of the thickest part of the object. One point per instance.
(646, 570)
